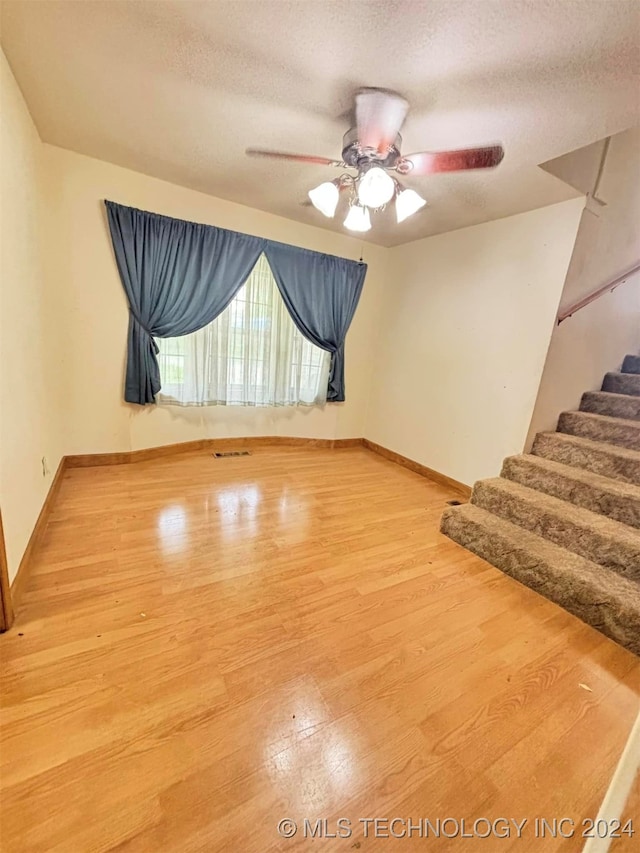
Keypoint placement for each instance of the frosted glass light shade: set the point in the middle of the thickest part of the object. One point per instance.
(358, 219)
(375, 187)
(407, 203)
(325, 198)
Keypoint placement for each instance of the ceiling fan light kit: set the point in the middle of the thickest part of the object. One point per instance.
(325, 197)
(373, 148)
(358, 218)
(375, 187)
(408, 202)
(372, 189)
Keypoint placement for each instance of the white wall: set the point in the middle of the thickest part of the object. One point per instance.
(94, 314)
(596, 339)
(467, 320)
(29, 425)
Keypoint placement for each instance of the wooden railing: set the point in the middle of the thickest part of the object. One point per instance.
(607, 288)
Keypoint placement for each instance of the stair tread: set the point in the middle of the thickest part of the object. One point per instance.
(589, 443)
(582, 475)
(606, 394)
(575, 514)
(597, 595)
(596, 417)
(611, 404)
(631, 364)
(624, 432)
(618, 372)
(622, 383)
(604, 578)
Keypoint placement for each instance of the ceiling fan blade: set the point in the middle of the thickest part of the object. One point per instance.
(298, 158)
(379, 116)
(429, 163)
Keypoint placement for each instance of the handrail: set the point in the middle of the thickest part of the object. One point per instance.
(607, 288)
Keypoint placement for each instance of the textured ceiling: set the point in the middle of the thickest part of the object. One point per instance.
(178, 90)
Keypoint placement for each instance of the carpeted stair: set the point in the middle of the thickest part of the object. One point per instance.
(565, 518)
(622, 383)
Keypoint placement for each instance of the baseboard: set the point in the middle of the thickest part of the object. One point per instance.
(417, 468)
(6, 612)
(618, 792)
(128, 457)
(91, 460)
(20, 580)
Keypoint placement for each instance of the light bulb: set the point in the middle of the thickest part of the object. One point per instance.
(376, 187)
(407, 203)
(358, 219)
(325, 198)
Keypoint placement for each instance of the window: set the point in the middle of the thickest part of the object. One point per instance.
(251, 355)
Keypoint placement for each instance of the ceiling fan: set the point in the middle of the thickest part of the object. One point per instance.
(373, 148)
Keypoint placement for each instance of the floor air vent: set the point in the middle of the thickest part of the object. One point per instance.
(232, 453)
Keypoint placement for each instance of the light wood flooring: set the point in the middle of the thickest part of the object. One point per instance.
(207, 646)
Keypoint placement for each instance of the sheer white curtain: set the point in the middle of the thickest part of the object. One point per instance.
(251, 355)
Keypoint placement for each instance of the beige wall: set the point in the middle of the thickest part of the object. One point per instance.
(94, 314)
(595, 340)
(63, 319)
(29, 426)
(467, 322)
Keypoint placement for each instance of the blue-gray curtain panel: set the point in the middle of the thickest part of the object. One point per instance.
(321, 293)
(178, 276)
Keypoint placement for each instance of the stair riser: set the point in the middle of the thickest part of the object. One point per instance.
(590, 543)
(618, 507)
(600, 461)
(622, 406)
(622, 435)
(575, 596)
(622, 383)
(631, 364)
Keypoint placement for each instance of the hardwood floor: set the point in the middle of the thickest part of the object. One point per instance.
(207, 646)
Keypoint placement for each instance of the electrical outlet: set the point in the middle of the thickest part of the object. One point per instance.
(45, 467)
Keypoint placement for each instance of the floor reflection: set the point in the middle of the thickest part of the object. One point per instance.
(293, 517)
(239, 510)
(311, 759)
(172, 529)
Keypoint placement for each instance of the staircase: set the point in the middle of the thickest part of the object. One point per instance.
(565, 518)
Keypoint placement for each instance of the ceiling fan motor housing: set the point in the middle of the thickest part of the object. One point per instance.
(354, 155)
